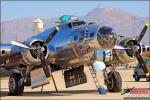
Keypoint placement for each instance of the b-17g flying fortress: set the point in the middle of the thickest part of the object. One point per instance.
(62, 61)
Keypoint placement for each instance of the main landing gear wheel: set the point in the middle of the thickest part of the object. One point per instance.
(115, 82)
(15, 87)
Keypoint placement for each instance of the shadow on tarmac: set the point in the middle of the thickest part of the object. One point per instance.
(52, 93)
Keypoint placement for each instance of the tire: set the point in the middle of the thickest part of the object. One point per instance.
(136, 77)
(28, 81)
(14, 88)
(148, 79)
(115, 80)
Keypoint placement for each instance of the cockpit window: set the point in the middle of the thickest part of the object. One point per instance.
(75, 24)
(78, 23)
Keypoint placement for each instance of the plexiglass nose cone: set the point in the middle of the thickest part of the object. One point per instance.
(106, 37)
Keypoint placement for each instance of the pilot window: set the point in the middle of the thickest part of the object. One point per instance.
(78, 23)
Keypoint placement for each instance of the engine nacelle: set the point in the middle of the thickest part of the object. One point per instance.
(126, 56)
(25, 56)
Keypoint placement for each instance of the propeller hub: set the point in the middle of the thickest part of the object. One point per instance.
(133, 44)
(135, 48)
(40, 49)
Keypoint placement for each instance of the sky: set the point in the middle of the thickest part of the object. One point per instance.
(47, 9)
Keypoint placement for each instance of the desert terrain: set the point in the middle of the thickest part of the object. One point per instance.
(84, 91)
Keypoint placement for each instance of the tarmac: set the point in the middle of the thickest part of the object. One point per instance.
(83, 91)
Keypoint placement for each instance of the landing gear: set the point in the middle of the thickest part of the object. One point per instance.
(112, 80)
(15, 86)
(115, 82)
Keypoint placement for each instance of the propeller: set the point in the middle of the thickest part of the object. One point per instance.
(47, 70)
(39, 52)
(143, 32)
(44, 63)
(20, 44)
(121, 47)
(50, 37)
(135, 49)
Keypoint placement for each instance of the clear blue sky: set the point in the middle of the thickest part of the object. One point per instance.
(47, 9)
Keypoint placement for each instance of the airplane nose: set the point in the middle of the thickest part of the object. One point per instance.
(106, 37)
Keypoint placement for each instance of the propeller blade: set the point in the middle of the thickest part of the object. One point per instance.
(50, 37)
(143, 32)
(46, 68)
(141, 62)
(20, 44)
(118, 47)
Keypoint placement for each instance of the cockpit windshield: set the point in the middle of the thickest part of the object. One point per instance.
(78, 23)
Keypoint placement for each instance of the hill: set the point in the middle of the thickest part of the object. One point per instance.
(125, 23)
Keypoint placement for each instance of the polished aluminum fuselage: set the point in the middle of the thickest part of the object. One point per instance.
(73, 46)
(70, 47)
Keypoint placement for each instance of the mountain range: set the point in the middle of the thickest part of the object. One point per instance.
(125, 23)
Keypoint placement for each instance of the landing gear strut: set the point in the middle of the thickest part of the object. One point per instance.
(15, 86)
(112, 79)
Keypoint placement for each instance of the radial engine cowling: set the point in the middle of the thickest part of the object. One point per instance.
(126, 56)
(29, 56)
